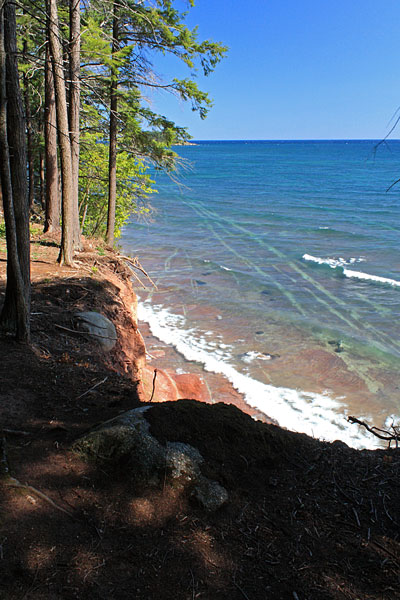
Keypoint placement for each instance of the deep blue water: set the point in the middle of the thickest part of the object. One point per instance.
(299, 241)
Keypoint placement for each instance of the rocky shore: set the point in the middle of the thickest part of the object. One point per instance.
(223, 506)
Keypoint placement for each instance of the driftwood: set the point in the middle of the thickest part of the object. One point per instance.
(382, 434)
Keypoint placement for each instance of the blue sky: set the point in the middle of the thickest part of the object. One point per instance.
(296, 69)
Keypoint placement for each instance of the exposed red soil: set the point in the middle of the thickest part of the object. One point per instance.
(305, 519)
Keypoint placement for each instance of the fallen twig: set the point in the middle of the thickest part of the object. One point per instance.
(94, 569)
(394, 557)
(9, 481)
(154, 384)
(16, 432)
(70, 330)
(136, 264)
(356, 516)
(105, 337)
(386, 510)
(240, 590)
(12, 482)
(93, 387)
(138, 279)
(193, 585)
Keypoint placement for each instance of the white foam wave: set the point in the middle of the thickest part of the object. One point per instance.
(225, 268)
(180, 371)
(250, 356)
(335, 263)
(318, 415)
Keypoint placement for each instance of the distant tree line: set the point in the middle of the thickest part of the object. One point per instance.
(77, 136)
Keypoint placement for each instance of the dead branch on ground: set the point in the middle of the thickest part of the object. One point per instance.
(93, 387)
(7, 480)
(154, 385)
(135, 264)
(382, 434)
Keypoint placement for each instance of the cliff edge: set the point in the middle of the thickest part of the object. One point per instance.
(297, 519)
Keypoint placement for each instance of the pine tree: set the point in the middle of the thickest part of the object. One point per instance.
(101, 105)
(66, 255)
(135, 30)
(74, 108)
(15, 314)
(53, 203)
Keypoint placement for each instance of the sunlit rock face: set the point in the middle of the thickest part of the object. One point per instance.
(165, 386)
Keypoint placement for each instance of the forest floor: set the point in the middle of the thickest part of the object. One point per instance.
(305, 520)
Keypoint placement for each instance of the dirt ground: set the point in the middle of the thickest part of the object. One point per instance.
(305, 520)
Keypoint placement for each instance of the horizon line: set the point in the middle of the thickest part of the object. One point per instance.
(381, 140)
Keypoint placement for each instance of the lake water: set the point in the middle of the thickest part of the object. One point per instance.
(278, 266)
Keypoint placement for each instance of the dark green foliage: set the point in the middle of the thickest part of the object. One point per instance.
(144, 138)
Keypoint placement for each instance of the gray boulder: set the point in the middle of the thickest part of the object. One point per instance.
(98, 327)
(126, 440)
(183, 462)
(125, 437)
(210, 494)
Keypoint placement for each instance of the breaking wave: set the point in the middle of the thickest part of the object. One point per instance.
(340, 264)
(318, 415)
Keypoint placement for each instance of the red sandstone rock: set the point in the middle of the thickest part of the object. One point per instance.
(130, 353)
(168, 386)
(192, 387)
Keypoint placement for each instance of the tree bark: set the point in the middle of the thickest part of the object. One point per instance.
(74, 108)
(42, 180)
(112, 167)
(53, 204)
(29, 137)
(15, 315)
(66, 255)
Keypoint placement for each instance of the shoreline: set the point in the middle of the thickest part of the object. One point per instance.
(84, 528)
(164, 356)
(317, 411)
(234, 243)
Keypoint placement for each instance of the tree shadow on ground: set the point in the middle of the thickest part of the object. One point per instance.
(305, 519)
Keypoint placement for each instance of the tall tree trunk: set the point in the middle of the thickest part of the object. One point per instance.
(66, 255)
(42, 180)
(31, 162)
(29, 137)
(112, 167)
(15, 315)
(74, 107)
(42, 166)
(53, 204)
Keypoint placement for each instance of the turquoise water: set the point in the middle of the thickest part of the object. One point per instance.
(278, 265)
